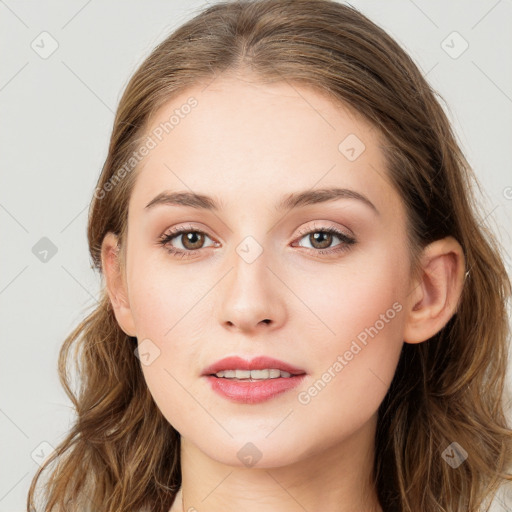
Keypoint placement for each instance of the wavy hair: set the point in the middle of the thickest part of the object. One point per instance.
(121, 454)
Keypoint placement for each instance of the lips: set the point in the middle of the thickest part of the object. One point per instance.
(258, 363)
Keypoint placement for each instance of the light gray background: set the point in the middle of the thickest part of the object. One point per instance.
(56, 116)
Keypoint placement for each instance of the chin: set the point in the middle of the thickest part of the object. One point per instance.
(255, 450)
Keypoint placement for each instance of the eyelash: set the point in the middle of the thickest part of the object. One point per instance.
(346, 240)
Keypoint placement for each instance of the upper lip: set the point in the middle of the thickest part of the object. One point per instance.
(257, 363)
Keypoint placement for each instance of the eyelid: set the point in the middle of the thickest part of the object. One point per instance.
(305, 231)
(185, 228)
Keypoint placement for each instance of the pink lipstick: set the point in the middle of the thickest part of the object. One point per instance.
(254, 381)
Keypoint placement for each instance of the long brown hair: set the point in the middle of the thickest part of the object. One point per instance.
(121, 454)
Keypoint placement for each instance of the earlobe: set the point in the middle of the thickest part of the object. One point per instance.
(115, 283)
(435, 295)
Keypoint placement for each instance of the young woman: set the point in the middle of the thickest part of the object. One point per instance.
(302, 309)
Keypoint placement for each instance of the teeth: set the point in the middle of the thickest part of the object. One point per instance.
(273, 373)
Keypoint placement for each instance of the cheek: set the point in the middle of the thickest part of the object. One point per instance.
(349, 299)
(171, 319)
(162, 298)
(355, 356)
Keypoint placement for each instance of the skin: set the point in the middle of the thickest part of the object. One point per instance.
(250, 145)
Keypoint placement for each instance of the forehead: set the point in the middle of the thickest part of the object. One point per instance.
(235, 138)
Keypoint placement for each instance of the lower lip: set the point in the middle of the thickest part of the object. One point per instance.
(247, 392)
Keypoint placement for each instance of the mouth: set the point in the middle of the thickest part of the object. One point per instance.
(253, 375)
(259, 368)
(254, 381)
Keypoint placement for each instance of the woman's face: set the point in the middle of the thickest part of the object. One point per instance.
(333, 303)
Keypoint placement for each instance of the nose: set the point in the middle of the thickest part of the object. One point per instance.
(252, 297)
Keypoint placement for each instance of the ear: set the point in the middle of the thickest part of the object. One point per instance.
(115, 283)
(435, 294)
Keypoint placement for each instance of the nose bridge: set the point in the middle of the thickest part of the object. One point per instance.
(252, 295)
(250, 260)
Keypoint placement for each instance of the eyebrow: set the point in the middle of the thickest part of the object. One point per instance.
(294, 200)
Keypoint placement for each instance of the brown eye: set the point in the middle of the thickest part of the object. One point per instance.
(184, 242)
(320, 239)
(192, 240)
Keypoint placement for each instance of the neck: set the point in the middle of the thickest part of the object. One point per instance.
(335, 479)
